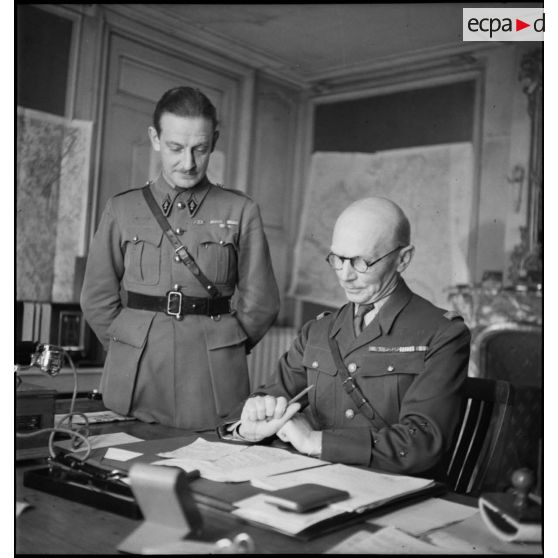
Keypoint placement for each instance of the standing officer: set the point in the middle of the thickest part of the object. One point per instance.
(162, 268)
(387, 368)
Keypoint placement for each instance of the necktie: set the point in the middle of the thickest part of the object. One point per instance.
(359, 317)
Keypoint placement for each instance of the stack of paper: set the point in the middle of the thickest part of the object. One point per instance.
(223, 462)
(367, 490)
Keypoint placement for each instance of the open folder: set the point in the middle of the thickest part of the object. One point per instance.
(369, 491)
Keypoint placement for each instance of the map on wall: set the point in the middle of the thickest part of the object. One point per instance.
(53, 165)
(434, 187)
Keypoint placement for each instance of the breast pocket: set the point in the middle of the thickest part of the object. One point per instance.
(143, 255)
(217, 254)
(387, 376)
(321, 372)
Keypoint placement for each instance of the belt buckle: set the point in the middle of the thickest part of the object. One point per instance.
(170, 299)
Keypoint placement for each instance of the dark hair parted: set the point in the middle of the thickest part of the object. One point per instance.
(184, 101)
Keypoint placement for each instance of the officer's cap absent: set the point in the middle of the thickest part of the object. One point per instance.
(382, 220)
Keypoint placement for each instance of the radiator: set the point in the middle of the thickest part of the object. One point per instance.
(263, 359)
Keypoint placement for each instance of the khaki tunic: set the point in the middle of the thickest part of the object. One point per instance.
(410, 363)
(185, 373)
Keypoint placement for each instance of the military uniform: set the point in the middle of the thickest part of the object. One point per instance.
(410, 363)
(191, 372)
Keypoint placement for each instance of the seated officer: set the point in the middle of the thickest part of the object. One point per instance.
(387, 367)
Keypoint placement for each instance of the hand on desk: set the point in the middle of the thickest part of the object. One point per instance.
(264, 416)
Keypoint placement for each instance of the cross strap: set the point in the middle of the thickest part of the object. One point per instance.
(351, 387)
(179, 248)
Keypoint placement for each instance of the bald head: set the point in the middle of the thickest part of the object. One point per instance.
(377, 231)
(377, 222)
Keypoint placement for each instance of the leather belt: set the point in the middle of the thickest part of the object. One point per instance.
(176, 304)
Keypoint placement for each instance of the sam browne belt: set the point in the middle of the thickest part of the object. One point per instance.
(177, 304)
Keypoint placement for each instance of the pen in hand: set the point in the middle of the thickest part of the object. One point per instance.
(293, 400)
(299, 395)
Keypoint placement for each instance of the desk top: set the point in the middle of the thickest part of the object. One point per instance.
(55, 525)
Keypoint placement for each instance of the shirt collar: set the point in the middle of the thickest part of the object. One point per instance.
(394, 303)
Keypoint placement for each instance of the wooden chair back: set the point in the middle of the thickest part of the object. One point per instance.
(486, 408)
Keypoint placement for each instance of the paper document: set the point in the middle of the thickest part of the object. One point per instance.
(118, 454)
(243, 465)
(204, 450)
(256, 509)
(472, 536)
(388, 540)
(367, 489)
(433, 513)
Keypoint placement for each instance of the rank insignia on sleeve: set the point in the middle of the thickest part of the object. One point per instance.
(166, 205)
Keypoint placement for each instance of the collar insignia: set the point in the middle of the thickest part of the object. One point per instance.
(192, 205)
(166, 205)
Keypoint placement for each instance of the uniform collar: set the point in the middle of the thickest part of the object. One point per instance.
(380, 325)
(396, 301)
(164, 191)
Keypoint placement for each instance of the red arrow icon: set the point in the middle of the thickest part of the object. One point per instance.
(519, 25)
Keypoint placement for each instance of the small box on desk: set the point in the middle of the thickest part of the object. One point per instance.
(34, 411)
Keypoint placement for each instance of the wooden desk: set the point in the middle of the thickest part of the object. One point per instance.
(54, 525)
(59, 526)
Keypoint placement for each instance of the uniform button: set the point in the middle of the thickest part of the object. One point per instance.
(221, 242)
(315, 364)
(181, 205)
(179, 230)
(176, 258)
(375, 440)
(402, 453)
(352, 367)
(135, 239)
(114, 338)
(350, 414)
(390, 368)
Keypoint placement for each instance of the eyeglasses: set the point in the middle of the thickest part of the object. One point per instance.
(358, 263)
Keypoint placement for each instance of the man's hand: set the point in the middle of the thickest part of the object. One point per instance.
(263, 416)
(302, 436)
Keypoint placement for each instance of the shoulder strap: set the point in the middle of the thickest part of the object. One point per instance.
(179, 249)
(351, 387)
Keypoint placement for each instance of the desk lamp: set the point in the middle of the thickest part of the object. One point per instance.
(49, 359)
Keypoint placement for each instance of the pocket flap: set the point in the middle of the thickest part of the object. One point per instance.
(131, 327)
(380, 364)
(224, 332)
(215, 235)
(319, 359)
(151, 235)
